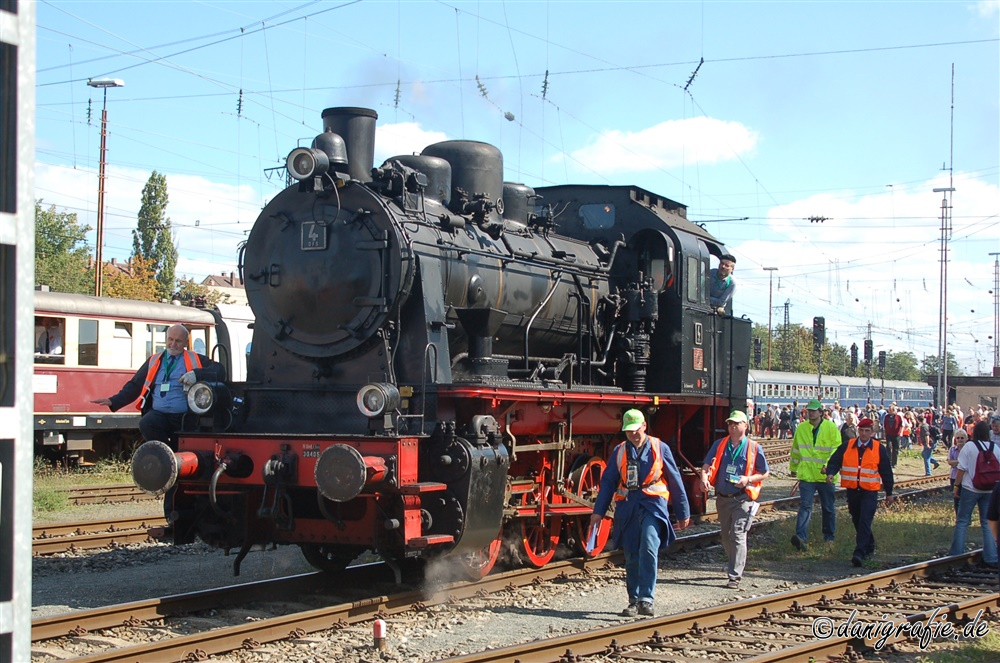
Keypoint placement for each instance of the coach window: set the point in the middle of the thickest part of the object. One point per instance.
(49, 338)
(121, 346)
(156, 339)
(199, 341)
(87, 343)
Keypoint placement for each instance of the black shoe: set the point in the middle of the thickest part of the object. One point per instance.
(798, 543)
(857, 561)
(733, 584)
(631, 611)
(989, 565)
(646, 609)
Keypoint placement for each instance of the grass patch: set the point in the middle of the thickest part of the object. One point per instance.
(905, 532)
(49, 484)
(104, 472)
(983, 650)
(49, 500)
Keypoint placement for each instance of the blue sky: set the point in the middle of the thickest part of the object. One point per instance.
(800, 109)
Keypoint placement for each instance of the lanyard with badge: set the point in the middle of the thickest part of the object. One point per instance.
(632, 472)
(731, 475)
(165, 385)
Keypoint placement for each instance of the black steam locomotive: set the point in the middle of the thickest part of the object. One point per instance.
(441, 359)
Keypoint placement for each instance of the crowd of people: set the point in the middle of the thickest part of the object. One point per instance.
(897, 427)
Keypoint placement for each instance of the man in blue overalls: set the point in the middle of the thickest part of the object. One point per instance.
(642, 478)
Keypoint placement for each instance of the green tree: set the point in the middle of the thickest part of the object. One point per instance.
(190, 293)
(930, 366)
(837, 360)
(61, 251)
(902, 366)
(153, 239)
(138, 282)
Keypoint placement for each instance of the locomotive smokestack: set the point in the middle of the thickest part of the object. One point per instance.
(357, 127)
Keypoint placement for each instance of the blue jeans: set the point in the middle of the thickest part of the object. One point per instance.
(640, 564)
(808, 490)
(966, 503)
(926, 455)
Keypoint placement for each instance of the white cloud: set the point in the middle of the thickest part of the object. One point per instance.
(209, 218)
(403, 138)
(987, 8)
(877, 260)
(668, 145)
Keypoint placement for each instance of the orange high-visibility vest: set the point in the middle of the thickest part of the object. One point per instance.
(752, 489)
(191, 362)
(654, 484)
(866, 476)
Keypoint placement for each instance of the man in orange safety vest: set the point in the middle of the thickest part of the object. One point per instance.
(735, 466)
(160, 383)
(642, 478)
(865, 467)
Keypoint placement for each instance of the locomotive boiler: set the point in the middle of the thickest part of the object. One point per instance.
(441, 358)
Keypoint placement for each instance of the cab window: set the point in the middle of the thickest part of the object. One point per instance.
(598, 216)
(87, 343)
(696, 279)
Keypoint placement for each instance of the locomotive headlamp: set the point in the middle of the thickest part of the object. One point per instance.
(203, 397)
(304, 163)
(377, 398)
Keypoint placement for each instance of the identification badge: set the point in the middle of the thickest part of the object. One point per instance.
(632, 475)
(165, 387)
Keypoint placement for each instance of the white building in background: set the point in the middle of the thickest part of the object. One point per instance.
(228, 284)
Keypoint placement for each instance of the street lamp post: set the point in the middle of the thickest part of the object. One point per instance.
(770, 303)
(103, 84)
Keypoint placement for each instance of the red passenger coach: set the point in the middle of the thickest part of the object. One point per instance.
(96, 344)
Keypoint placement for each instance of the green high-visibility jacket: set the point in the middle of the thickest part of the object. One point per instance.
(810, 453)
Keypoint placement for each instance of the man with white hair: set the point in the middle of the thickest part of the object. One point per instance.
(160, 383)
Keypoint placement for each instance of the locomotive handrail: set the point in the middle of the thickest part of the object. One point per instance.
(538, 309)
(423, 386)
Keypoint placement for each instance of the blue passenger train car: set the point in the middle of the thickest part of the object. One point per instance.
(778, 388)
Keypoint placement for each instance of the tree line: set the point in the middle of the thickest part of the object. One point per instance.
(792, 350)
(64, 262)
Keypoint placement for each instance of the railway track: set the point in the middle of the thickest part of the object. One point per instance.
(90, 534)
(802, 625)
(141, 616)
(87, 535)
(124, 492)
